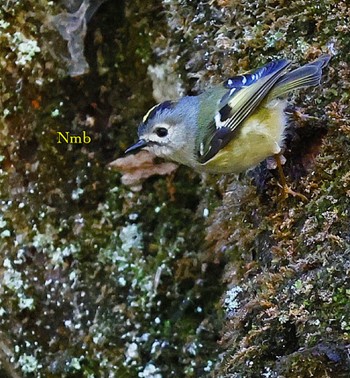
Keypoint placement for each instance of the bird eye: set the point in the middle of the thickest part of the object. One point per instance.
(162, 132)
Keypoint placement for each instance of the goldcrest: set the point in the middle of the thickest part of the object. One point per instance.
(231, 127)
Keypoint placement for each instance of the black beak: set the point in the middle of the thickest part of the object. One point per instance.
(137, 146)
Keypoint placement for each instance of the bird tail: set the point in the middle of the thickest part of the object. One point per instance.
(305, 76)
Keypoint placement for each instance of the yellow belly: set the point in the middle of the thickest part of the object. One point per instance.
(259, 137)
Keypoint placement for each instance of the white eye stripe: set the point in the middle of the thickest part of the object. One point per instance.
(161, 125)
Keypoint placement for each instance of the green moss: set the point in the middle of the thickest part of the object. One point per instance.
(101, 280)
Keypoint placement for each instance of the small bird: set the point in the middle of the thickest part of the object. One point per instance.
(232, 126)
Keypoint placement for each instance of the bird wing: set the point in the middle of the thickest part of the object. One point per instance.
(244, 94)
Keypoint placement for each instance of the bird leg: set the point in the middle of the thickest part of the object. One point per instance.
(286, 190)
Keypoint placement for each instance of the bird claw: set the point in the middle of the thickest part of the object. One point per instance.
(286, 191)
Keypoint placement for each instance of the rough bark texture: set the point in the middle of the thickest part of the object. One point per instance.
(181, 275)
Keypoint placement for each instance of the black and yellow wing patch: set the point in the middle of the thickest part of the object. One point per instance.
(244, 94)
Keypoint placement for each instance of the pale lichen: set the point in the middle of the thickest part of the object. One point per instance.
(94, 273)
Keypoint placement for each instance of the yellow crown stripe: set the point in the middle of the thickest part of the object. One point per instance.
(148, 113)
